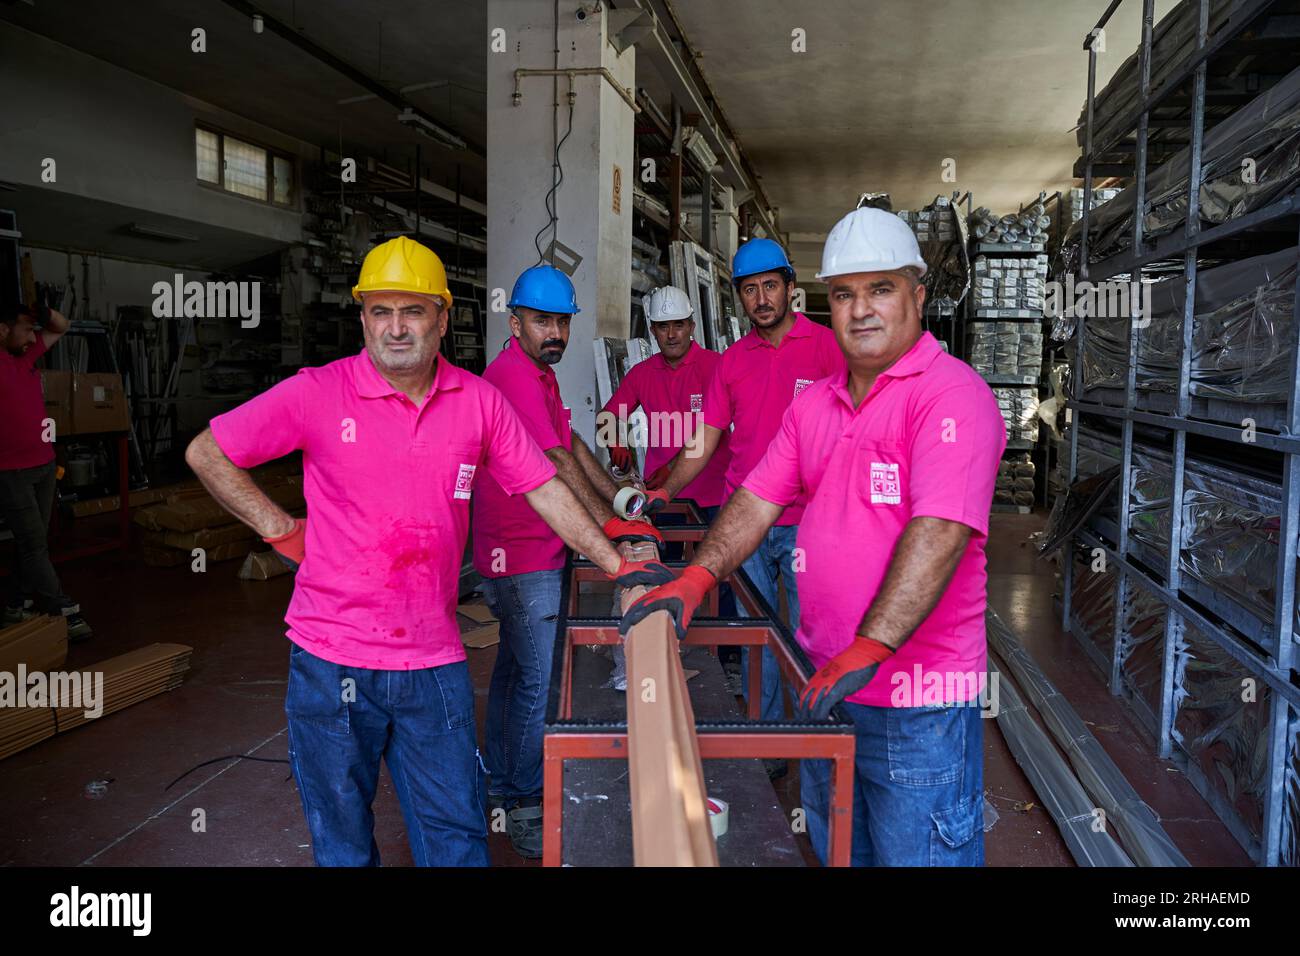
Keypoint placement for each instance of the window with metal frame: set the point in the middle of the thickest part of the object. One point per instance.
(243, 168)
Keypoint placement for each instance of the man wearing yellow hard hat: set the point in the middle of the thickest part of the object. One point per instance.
(393, 439)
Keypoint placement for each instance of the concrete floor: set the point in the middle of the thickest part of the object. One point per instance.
(233, 702)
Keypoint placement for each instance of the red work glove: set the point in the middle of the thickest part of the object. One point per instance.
(657, 479)
(617, 529)
(641, 573)
(680, 597)
(291, 547)
(621, 458)
(656, 499)
(846, 673)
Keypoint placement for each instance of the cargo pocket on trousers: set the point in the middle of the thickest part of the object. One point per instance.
(957, 834)
(316, 693)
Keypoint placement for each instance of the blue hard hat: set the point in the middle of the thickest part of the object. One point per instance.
(760, 255)
(546, 289)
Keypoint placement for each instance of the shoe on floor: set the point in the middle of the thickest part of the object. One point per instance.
(78, 629)
(16, 615)
(524, 825)
(776, 769)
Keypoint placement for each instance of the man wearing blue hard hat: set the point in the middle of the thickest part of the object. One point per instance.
(758, 378)
(521, 559)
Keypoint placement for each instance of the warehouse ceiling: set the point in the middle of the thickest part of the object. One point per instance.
(888, 90)
(884, 94)
(267, 79)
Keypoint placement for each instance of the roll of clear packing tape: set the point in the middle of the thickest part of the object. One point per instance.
(629, 502)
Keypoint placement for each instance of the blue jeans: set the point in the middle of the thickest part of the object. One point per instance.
(918, 787)
(774, 555)
(527, 605)
(421, 722)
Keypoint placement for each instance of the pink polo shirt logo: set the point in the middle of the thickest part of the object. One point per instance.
(800, 384)
(884, 484)
(465, 482)
(697, 402)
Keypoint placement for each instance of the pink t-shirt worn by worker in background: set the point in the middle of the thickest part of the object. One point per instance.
(673, 400)
(23, 405)
(388, 485)
(925, 441)
(755, 384)
(509, 537)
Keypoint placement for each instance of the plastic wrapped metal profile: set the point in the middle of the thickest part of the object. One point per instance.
(1138, 827)
(1241, 335)
(1267, 130)
(1056, 786)
(1231, 520)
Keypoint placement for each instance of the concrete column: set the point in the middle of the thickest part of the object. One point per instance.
(521, 147)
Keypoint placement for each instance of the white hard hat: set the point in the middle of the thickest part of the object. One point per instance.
(870, 240)
(667, 304)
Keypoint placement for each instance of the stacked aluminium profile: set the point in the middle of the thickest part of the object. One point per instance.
(1221, 702)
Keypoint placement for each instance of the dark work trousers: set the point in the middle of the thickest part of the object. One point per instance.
(26, 499)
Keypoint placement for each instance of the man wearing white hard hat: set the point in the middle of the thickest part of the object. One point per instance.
(897, 460)
(670, 387)
(758, 377)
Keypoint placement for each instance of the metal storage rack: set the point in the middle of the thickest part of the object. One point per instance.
(1271, 663)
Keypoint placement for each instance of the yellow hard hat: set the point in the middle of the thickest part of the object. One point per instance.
(403, 265)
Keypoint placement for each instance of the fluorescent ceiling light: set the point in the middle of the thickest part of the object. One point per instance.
(155, 232)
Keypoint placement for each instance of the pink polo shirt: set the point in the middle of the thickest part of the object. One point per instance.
(509, 537)
(925, 441)
(388, 486)
(22, 403)
(673, 399)
(755, 384)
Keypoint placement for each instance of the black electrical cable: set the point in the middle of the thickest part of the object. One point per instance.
(197, 766)
(551, 212)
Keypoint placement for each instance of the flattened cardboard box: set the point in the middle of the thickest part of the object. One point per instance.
(262, 566)
(193, 509)
(40, 643)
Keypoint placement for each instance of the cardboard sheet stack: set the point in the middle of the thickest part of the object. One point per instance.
(1015, 481)
(41, 643)
(191, 518)
(1013, 349)
(1010, 282)
(1020, 412)
(127, 679)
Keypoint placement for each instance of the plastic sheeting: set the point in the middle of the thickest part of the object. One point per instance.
(1222, 723)
(1241, 334)
(1267, 129)
(1173, 38)
(1137, 825)
(1051, 777)
(1093, 601)
(1142, 650)
(1290, 851)
(1231, 521)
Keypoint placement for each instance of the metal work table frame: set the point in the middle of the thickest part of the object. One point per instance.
(570, 738)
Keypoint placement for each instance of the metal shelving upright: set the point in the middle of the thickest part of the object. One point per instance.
(1273, 666)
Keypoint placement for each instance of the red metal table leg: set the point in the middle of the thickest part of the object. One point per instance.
(552, 805)
(840, 815)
